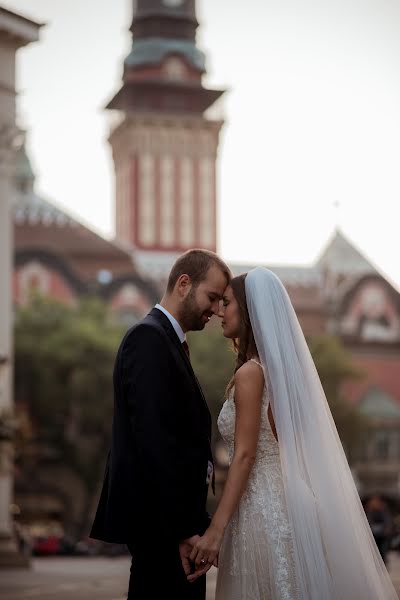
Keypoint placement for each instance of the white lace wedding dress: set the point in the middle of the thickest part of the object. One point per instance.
(256, 559)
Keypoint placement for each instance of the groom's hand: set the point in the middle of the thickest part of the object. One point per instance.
(185, 550)
(205, 551)
(202, 570)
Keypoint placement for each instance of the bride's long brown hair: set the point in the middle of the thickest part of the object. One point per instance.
(244, 345)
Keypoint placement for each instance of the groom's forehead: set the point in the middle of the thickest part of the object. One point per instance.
(216, 281)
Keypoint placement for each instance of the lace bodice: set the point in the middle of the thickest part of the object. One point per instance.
(257, 557)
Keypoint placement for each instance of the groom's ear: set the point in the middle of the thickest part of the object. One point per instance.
(183, 285)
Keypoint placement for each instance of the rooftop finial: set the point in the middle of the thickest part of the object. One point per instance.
(337, 207)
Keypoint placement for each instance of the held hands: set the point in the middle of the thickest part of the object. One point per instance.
(205, 552)
(185, 549)
(192, 572)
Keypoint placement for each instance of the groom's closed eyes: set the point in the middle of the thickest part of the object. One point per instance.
(214, 297)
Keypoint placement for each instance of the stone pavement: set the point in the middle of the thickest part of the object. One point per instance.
(100, 578)
(66, 578)
(62, 578)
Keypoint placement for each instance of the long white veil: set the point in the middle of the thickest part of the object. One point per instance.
(336, 557)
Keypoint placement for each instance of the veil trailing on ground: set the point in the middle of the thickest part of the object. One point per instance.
(336, 557)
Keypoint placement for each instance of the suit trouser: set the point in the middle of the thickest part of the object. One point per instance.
(157, 573)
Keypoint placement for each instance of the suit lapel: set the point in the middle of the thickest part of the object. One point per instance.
(167, 326)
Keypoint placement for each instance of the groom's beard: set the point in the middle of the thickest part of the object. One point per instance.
(191, 316)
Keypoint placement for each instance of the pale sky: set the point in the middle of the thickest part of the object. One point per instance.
(312, 118)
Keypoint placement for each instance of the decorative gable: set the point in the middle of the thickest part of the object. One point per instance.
(371, 312)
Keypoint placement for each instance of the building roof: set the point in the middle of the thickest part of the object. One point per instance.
(153, 50)
(341, 256)
(305, 283)
(17, 28)
(42, 225)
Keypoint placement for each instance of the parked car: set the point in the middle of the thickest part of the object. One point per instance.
(46, 545)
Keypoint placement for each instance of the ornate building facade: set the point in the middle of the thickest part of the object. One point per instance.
(165, 146)
(58, 256)
(15, 32)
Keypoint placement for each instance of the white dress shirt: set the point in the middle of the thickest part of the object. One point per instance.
(178, 329)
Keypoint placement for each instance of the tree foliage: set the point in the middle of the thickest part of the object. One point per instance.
(63, 374)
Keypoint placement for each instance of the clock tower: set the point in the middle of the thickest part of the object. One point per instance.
(164, 146)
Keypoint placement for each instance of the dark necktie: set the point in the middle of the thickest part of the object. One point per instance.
(186, 348)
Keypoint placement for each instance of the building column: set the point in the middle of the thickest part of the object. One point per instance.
(15, 31)
(8, 547)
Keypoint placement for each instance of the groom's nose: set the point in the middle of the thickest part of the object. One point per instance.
(215, 307)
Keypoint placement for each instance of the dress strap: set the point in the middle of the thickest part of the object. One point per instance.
(256, 361)
(266, 381)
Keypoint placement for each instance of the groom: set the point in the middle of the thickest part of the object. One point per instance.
(160, 462)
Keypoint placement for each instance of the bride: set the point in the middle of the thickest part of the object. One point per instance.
(290, 524)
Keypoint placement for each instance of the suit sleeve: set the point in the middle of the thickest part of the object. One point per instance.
(146, 377)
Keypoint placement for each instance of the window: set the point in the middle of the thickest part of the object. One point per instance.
(382, 445)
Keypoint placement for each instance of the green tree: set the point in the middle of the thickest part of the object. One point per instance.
(63, 373)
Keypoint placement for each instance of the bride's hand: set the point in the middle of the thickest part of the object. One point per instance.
(206, 549)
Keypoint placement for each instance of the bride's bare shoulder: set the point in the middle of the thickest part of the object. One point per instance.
(250, 373)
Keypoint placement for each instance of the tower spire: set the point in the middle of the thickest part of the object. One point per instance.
(165, 147)
(164, 69)
(184, 10)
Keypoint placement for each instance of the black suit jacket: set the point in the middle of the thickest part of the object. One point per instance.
(156, 473)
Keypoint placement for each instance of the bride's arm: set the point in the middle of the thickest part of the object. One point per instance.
(249, 385)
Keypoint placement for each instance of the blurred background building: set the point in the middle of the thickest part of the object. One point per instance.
(164, 147)
(15, 32)
(164, 140)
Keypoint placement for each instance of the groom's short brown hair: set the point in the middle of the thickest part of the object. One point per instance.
(196, 263)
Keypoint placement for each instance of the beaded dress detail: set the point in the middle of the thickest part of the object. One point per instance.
(256, 560)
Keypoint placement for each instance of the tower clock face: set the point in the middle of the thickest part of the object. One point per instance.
(173, 2)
